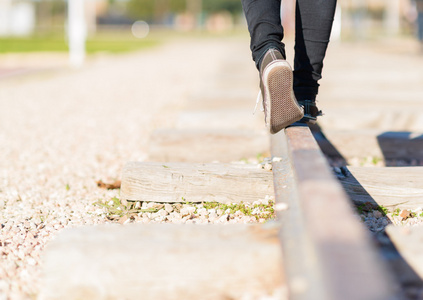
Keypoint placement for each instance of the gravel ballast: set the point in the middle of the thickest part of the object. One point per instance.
(61, 134)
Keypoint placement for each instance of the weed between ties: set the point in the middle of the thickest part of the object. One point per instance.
(116, 210)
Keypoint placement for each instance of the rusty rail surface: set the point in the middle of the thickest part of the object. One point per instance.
(327, 253)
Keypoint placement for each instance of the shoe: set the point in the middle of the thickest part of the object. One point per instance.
(276, 79)
(311, 112)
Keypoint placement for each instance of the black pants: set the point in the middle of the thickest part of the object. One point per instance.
(313, 24)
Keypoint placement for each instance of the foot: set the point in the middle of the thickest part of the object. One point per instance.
(280, 106)
(311, 112)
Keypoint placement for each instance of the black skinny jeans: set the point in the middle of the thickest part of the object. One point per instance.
(313, 25)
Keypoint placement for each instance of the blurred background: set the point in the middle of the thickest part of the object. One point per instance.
(122, 25)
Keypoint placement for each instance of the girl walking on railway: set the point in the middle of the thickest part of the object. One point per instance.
(289, 96)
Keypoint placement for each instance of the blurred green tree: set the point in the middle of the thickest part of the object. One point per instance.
(154, 10)
(158, 9)
(232, 6)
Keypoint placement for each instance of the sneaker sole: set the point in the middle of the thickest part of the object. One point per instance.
(283, 108)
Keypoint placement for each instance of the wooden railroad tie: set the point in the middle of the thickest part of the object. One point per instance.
(181, 182)
(371, 143)
(315, 250)
(198, 145)
(391, 187)
(164, 261)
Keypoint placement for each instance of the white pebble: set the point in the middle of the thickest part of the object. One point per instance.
(168, 207)
(184, 212)
(163, 213)
(30, 261)
(281, 206)
(191, 209)
(223, 219)
(255, 211)
(202, 212)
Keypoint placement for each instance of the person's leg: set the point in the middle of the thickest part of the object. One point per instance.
(264, 25)
(276, 77)
(313, 24)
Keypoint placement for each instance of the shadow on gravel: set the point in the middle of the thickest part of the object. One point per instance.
(324, 143)
(410, 283)
(401, 148)
(394, 145)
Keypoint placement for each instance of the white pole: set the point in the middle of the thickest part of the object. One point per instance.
(392, 18)
(5, 14)
(77, 32)
(337, 24)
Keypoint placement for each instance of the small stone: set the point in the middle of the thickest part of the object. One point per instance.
(377, 214)
(123, 219)
(268, 167)
(281, 206)
(175, 216)
(168, 208)
(255, 211)
(223, 219)
(239, 213)
(137, 205)
(191, 209)
(405, 214)
(163, 213)
(212, 217)
(184, 212)
(202, 212)
(155, 205)
(159, 219)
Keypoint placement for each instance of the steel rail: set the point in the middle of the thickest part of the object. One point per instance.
(327, 253)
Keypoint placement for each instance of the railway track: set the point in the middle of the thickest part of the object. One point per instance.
(316, 248)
